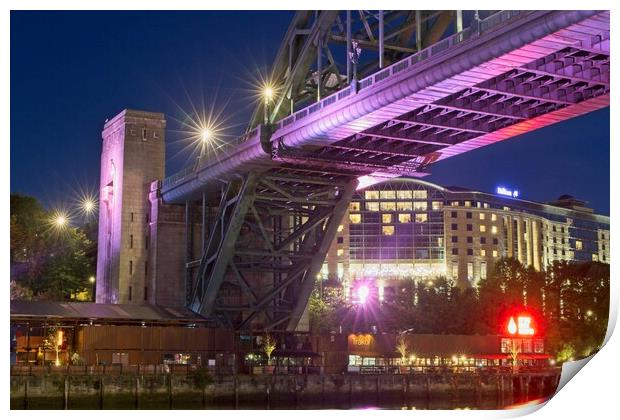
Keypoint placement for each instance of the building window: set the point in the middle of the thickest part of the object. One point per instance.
(470, 240)
(486, 205)
(579, 245)
(372, 206)
(467, 203)
(354, 206)
(483, 228)
(404, 218)
(339, 252)
(470, 271)
(147, 217)
(421, 217)
(455, 251)
(404, 195)
(594, 257)
(455, 226)
(481, 216)
(420, 195)
(439, 241)
(355, 218)
(483, 240)
(453, 214)
(495, 253)
(388, 230)
(470, 251)
(468, 215)
(129, 292)
(495, 241)
(130, 241)
(340, 239)
(454, 204)
(340, 271)
(470, 228)
(132, 216)
(404, 206)
(455, 239)
(387, 194)
(483, 253)
(371, 195)
(130, 267)
(146, 269)
(387, 206)
(455, 270)
(420, 205)
(340, 228)
(483, 270)
(494, 229)
(493, 217)
(437, 205)
(386, 218)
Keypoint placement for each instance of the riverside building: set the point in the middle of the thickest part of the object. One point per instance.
(410, 229)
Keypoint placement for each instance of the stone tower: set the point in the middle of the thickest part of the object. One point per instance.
(132, 156)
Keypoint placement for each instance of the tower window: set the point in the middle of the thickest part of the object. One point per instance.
(129, 292)
(130, 267)
(144, 134)
(130, 241)
(146, 292)
(132, 216)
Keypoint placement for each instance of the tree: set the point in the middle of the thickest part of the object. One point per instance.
(269, 345)
(401, 348)
(47, 264)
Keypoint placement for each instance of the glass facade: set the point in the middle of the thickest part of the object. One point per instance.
(410, 229)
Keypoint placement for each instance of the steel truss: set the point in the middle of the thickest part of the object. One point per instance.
(266, 246)
(314, 58)
(558, 80)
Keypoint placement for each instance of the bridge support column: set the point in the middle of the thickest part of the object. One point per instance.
(265, 248)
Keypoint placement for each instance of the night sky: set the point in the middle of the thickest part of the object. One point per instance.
(72, 70)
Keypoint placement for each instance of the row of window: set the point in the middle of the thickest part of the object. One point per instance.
(470, 228)
(470, 240)
(399, 194)
(470, 252)
(469, 215)
(395, 206)
(356, 218)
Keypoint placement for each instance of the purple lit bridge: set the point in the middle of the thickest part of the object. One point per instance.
(427, 85)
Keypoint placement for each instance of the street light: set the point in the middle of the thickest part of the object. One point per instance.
(205, 135)
(268, 94)
(59, 220)
(91, 279)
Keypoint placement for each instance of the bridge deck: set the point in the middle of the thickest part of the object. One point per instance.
(517, 72)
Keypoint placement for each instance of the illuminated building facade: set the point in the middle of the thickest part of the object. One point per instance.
(407, 228)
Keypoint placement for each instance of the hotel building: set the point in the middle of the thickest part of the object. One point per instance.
(407, 228)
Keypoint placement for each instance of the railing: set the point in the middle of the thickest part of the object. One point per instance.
(115, 369)
(440, 47)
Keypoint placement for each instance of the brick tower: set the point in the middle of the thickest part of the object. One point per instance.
(132, 156)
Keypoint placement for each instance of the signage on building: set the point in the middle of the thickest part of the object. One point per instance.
(507, 192)
(520, 325)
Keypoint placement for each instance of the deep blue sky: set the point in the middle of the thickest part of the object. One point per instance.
(72, 70)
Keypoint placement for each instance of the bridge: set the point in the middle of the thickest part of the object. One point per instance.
(434, 86)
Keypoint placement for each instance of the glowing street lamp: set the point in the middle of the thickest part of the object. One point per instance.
(205, 135)
(362, 294)
(268, 94)
(88, 205)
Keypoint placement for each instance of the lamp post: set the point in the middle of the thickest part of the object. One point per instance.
(91, 279)
(267, 97)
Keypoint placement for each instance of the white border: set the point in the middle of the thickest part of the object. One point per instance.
(592, 393)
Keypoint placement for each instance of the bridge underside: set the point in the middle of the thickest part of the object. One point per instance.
(560, 81)
(266, 247)
(286, 185)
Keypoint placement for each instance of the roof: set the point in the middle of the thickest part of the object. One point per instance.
(100, 311)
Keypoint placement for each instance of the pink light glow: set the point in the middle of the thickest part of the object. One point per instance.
(362, 293)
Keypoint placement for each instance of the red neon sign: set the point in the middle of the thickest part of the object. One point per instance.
(522, 325)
